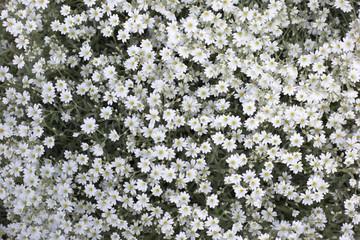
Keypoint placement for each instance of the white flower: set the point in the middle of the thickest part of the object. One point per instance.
(169, 174)
(190, 104)
(249, 108)
(203, 92)
(190, 24)
(160, 151)
(199, 55)
(210, 72)
(21, 42)
(106, 112)
(123, 35)
(49, 142)
(156, 190)
(251, 123)
(154, 100)
(65, 10)
(218, 138)
(110, 72)
(85, 51)
(19, 61)
(343, 5)
(307, 197)
(90, 190)
(212, 201)
(296, 140)
(113, 135)
(229, 145)
(153, 117)
(205, 187)
(304, 60)
(89, 125)
(205, 147)
(169, 115)
(66, 96)
(346, 228)
(132, 122)
(97, 150)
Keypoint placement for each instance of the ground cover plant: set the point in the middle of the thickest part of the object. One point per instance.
(179, 119)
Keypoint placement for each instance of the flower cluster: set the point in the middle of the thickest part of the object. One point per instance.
(183, 119)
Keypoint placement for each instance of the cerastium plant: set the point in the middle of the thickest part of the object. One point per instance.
(182, 119)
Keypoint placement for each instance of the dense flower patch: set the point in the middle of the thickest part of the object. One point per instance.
(180, 119)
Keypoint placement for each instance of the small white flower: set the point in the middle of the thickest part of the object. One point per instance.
(89, 125)
(113, 135)
(106, 112)
(296, 140)
(85, 51)
(49, 142)
(66, 96)
(19, 61)
(212, 201)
